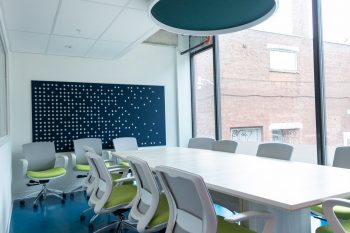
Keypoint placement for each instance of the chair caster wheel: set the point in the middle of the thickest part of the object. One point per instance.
(91, 226)
(22, 203)
(82, 217)
(35, 206)
(64, 195)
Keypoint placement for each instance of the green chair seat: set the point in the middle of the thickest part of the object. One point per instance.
(86, 167)
(122, 194)
(116, 176)
(162, 214)
(327, 229)
(124, 163)
(340, 211)
(226, 227)
(50, 173)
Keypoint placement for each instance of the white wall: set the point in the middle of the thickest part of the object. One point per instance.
(5, 187)
(146, 64)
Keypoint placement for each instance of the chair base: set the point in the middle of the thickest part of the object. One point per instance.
(45, 192)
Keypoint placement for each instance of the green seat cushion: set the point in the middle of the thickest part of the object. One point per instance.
(86, 167)
(116, 176)
(122, 194)
(124, 163)
(50, 173)
(327, 229)
(340, 211)
(226, 227)
(162, 214)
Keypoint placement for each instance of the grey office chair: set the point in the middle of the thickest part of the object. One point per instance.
(201, 143)
(79, 161)
(39, 167)
(108, 195)
(125, 144)
(225, 146)
(191, 209)
(275, 151)
(341, 160)
(335, 225)
(150, 211)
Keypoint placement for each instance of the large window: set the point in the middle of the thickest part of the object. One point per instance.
(336, 34)
(267, 83)
(3, 92)
(203, 91)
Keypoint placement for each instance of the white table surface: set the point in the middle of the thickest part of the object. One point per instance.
(283, 184)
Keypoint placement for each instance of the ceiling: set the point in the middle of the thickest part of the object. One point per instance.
(104, 29)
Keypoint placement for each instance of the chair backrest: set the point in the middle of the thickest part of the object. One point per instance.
(40, 155)
(225, 146)
(190, 206)
(80, 148)
(104, 182)
(342, 157)
(91, 180)
(125, 143)
(201, 143)
(147, 198)
(275, 151)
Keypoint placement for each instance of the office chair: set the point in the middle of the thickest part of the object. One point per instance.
(125, 144)
(79, 161)
(39, 167)
(341, 160)
(225, 146)
(191, 209)
(109, 196)
(275, 151)
(335, 225)
(91, 182)
(201, 143)
(149, 211)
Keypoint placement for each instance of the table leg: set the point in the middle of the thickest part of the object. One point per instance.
(297, 221)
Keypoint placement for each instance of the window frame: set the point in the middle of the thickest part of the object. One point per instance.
(4, 138)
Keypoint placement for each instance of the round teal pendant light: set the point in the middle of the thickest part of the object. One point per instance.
(210, 17)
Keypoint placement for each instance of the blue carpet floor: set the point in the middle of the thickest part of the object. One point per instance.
(53, 217)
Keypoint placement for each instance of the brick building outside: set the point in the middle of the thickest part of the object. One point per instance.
(267, 82)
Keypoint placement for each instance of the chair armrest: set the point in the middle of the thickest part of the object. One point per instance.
(122, 180)
(24, 166)
(65, 160)
(74, 159)
(328, 211)
(270, 219)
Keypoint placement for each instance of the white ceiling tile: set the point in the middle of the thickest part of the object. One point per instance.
(107, 49)
(110, 2)
(30, 15)
(27, 42)
(129, 26)
(69, 46)
(84, 19)
(139, 4)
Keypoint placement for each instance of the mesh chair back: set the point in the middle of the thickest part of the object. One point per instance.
(342, 157)
(80, 146)
(125, 143)
(191, 208)
(147, 199)
(201, 143)
(104, 185)
(91, 180)
(225, 146)
(40, 155)
(275, 151)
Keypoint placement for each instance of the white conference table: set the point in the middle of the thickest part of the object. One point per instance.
(284, 188)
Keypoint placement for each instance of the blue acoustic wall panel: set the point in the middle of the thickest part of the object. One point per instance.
(64, 111)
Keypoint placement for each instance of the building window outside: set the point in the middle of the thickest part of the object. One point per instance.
(285, 136)
(246, 134)
(283, 58)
